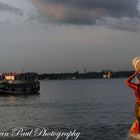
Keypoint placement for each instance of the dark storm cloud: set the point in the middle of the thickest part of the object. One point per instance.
(114, 7)
(6, 7)
(87, 11)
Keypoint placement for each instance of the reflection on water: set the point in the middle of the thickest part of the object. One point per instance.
(99, 109)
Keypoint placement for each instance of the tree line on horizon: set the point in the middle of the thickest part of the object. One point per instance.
(86, 75)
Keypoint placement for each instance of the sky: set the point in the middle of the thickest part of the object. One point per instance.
(53, 36)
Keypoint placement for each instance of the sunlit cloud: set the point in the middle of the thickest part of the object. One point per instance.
(111, 13)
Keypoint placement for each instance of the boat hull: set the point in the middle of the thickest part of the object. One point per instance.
(9, 92)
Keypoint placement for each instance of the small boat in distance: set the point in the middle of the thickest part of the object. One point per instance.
(19, 83)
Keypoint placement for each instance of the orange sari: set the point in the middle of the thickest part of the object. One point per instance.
(135, 128)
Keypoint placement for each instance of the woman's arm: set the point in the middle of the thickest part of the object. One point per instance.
(128, 81)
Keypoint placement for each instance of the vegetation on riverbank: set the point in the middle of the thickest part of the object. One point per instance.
(86, 75)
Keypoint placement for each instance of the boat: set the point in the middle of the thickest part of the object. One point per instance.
(19, 83)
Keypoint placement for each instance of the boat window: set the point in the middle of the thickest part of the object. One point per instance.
(9, 77)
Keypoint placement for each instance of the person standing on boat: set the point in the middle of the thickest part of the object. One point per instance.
(136, 87)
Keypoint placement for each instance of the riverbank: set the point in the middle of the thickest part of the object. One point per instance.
(86, 75)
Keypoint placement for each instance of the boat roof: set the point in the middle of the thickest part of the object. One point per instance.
(19, 73)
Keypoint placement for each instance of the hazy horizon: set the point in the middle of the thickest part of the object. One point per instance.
(54, 36)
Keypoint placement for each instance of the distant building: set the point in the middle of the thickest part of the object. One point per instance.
(85, 71)
(107, 75)
(73, 78)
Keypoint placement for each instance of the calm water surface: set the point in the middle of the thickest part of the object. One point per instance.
(98, 109)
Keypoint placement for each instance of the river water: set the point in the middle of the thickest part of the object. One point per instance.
(101, 109)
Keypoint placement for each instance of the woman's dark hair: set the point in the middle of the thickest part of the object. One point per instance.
(138, 76)
(137, 108)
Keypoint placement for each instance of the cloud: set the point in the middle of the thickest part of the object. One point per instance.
(89, 12)
(6, 7)
(15, 12)
(124, 23)
(112, 7)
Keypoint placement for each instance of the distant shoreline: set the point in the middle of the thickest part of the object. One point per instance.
(86, 75)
